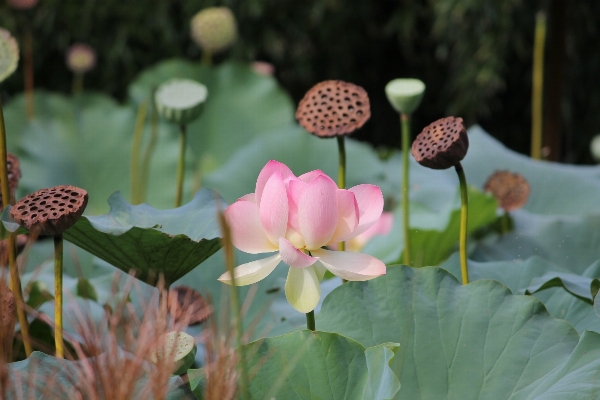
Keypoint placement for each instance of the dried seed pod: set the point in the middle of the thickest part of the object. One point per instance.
(50, 211)
(442, 144)
(22, 4)
(7, 304)
(13, 168)
(9, 54)
(214, 29)
(187, 306)
(81, 58)
(333, 108)
(510, 189)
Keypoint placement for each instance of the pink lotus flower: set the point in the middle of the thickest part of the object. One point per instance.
(382, 227)
(296, 217)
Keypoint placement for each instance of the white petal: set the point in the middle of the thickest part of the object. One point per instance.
(351, 266)
(252, 272)
(302, 289)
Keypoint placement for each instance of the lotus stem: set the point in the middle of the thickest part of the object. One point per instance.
(464, 212)
(58, 296)
(505, 223)
(15, 280)
(28, 76)
(405, 122)
(180, 165)
(235, 304)
(310, 320)
(206, 58)
(538, 85)
(136, 149)
(77, 85)
(341, 173)
(148, 153)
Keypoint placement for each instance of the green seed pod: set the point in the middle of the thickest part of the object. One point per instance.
(405, 95)
(9, 54)
(180, 100)
(181, 347)
(214, 29)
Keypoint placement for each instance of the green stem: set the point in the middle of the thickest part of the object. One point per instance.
(310, 320)
(405, 122)
(58, 297)
(341, 173)
(77, 85)
(148, 153)
(505, 223)
(136, 149)
(15, 280)
(235, 304)
(180, 165)
(537, 86)
(206, 58)
(464, 211)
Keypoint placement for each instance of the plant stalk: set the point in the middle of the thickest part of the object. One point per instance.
(505, 223)
(28, 76)
(235, 304)
(58, 296)
(341, 173)
(464, 212)
(180, 165)
(148, 154)
(310, 320)
(538, 86)
(15, 280)
(77, 85)
(206, 58)
(136, 149)
(405, 122)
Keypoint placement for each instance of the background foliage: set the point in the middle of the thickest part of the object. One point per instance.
(475, 56)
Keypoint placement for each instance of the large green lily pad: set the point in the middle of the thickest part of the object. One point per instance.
(152, 242)
(477, 341)
(45, 377)
(571, 300)
(309, 365)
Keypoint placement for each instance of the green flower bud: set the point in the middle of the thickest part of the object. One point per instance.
(405, 95)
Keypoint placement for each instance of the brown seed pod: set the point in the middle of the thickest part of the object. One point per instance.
(7, 305)
(50, 211)
(333, 108)
(187, 306)
(442, 144)
(510, 189)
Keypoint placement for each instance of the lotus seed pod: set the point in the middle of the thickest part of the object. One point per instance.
(442, 144)
(9, 54)
(7, 302)
(179, 345)
(50, 211)
(187, 306)
(180, 100)
(510, 189)
(22, 4)
(81, 58)
(405, 95)
(334, 108)
(214, 29)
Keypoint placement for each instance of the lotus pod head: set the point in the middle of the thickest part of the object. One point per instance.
(214, 29)
(50, 211)
(334, 108)
(442, 144)
(9, 54)
(510, 189)
(180, 100)
(405, 95)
